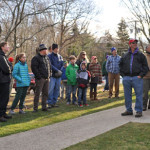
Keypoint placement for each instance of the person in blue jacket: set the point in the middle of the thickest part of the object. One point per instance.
(20, 73)
(64, 81)
(56, 61)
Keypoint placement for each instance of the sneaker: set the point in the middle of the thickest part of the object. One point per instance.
(21, 111)
(12, 112)
(7, 116)
(75, 103)
(49, 106)
(2, 119)
(68, 103)
(138, 114)
(126, 113)
(80, 105)
(86, 105)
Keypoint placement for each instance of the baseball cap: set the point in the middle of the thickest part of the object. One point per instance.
(132, 40)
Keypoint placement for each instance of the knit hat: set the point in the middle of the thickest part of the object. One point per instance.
(10, 59)
(93, 57)
(54, 46)
(65, 62)
(113, 48)
(132, 40)
(42, 47)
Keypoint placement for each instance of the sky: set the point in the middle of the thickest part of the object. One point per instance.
(111, 12)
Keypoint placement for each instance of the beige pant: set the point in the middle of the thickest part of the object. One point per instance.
(111, 79)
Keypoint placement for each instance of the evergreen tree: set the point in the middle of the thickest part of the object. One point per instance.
(123, 34)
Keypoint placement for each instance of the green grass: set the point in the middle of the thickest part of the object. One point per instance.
(132, 136)
(30, 120)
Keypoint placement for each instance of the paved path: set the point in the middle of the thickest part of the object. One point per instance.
(64, 134)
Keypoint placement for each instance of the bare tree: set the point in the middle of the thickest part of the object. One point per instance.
(73, 17)
(19, 11)
(141, 11)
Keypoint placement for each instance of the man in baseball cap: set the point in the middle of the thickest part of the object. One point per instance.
(133, 67)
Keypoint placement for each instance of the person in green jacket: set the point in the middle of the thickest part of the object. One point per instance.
(71, 80)
(105, 74)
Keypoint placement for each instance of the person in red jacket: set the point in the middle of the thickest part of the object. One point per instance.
(96, 76)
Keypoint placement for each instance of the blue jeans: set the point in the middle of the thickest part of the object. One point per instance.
(137, 84)
(54, 89)
(71, 89)
(82, 91)
(106, 84)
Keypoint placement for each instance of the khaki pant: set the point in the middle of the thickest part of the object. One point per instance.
(113, 78)
(41, 86)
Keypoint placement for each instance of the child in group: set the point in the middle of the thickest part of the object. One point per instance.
(20, 73)
(96, 76)
(83, 77)
(71, 80)
(64, 81)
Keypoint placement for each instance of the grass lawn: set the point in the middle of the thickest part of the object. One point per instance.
(132, 136)
(30, 120)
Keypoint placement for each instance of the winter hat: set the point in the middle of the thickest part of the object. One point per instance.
(42, 47)
(113, 48)
(54, 46)
(132, 40)
(11, 59)
(93, 57)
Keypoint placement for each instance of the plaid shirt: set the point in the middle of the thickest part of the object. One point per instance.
(112, 64)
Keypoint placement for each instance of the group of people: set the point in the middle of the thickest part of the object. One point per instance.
(52, 72)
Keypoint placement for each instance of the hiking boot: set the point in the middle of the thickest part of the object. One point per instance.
(2, 119)
(91, 95)
(44, 109)
(12, 112)
(80, 105)
(126, 113)
(138, 114)
(21, 111)
(7, 116)
(117, 97)
(95, 96)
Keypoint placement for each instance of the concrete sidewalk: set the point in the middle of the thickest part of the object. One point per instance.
(64, 134)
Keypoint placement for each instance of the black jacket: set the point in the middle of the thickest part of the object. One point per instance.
(138, 67)
(83, 77)
(39, 66)
(5, 68)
